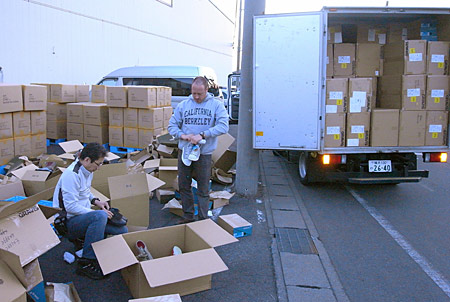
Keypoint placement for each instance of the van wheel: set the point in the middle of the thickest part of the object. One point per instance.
(304, 167)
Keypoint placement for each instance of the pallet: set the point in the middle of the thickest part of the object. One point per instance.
(2, 170)
(123, 150)
(52, 141)
(106, 146)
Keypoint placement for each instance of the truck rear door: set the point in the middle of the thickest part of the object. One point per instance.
(288, 52)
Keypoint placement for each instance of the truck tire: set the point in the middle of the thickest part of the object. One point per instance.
(304, 167)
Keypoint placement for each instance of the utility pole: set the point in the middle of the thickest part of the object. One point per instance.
(247, 158)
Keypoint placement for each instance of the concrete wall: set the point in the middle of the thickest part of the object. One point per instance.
(76, 42)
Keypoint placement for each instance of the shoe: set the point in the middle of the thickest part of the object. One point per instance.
(144, 254)
(176, 251)
(78, 243)
(185, 155)
(195, 153)
(89, 268)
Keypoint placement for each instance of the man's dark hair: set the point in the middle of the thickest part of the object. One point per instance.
(202, 81)
(94, 151)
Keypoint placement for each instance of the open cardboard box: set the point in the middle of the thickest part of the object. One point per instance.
(25, 234)
(10, 187)
(37, 181)
(68, 291)
(222, 157)
(168, 171)
(72, 147)
(185, 274)
(100, 179)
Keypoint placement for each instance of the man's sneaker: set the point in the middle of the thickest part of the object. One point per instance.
(185, 155)
(89, 268)
(78, 243)
(195, 153)
(144, 254)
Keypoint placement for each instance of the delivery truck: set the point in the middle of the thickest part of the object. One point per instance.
(356, 93)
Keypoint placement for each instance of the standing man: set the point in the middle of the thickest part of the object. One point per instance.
(73, 195)
(199, 117)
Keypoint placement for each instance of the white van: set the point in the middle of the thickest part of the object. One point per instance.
(178, 77)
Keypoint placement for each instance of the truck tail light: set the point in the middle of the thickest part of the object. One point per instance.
(435, 157)
(328, 159)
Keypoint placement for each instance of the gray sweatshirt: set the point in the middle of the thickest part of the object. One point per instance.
(210, 116)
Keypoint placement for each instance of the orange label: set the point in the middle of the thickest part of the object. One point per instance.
(360, 135)
(413, 99)
(338, 102)
(412, 50)
(434, 135)
(259, 133)
(437, 100)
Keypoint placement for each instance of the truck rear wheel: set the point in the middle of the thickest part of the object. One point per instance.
(304, 167)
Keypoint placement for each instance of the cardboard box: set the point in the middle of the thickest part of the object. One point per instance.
(96, 134)
(167, 97)
(167, 152)
(166, 274)
(146, 137)
(165, 298)
(82, 93)
(22, 145)
(130, 117)
(38, 181)
(11, 287)
(34, 97)
(222, 157)
(75, 132)
(38, 122)
(38, 144)
(384, 125)
(397, 32)
(21, 123)
(95, 114)
(62, 93)
(6, 125)
(10, 98)
(56, 129)
(362, 94)
(100, 179)
(167, 114)
(334, 34)
(6, 150)
(142, 97)
(437, 95)
(402, 92)
(117, 96)
(10, 186)
(150, 118)
(437, 58)
(131, 137)
(168, 171)
(130, 194)
(371, 33)
(116, 136)
(414, 62)
(412, 128)
(329, 60)
(164, 196)
(436, 128)
(75, 113)
(56, 112)
(220, 198)
(98, 94)
(68, 289)
(344, 59)
(358, 129)
(337, 95)
(334, 130)
(368, 60)
(235, 225)
(116, 117)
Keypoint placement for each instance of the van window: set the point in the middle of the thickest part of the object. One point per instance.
(180, 87)
(108, 82)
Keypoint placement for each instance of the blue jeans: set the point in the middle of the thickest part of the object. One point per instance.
(93, 227)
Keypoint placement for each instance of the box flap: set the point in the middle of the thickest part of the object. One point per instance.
(13, 262)
(10, 287)
(153, 182)
(69, 156)
(36, 176)
(98, 194)
(113, 254)
(140, 157)
(19, 173)
(71, 146)
(24, 204)
(165, 298)
(128, 185)
(152, 163)
(182, 267)
(223, 143)
(213, 234)
(111, 156)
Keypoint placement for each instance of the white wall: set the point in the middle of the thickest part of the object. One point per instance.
(73, 42)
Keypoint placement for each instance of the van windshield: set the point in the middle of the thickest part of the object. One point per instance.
(180, 86)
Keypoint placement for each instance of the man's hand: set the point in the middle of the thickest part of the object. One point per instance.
(186, 137)
(195, 139)
(104, 206)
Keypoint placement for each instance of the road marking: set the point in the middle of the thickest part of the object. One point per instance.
(426, 187)
(426, 266)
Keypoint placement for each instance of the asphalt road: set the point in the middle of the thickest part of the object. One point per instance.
(387, 243)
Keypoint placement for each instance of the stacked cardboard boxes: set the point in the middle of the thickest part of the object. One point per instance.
(58, 97)
(137, 114)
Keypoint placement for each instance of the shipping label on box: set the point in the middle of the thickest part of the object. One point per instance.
(6, 125)
(82, 93)
(95, 114)
(130, 117)
(358, 129)
(56, 129)
(21, 123)
(22, 145)
(38, 144)
(337, 93)
(75, 132)
(437, 95)
(413, 92)
(38, 122)
(437, 58)
(98, 93)
(11, 98)
(334, 130)
(384, 127)
(344, 59)
(416, 54)
(436, 128)
(96, 134)
(75, 113)
(117, 96)
(116, 136)
(34, 97)
(150, 118)
(56, 112)
(412, 128)
(62, 93)
(116, 117)
(142, 97)
(6, 150)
